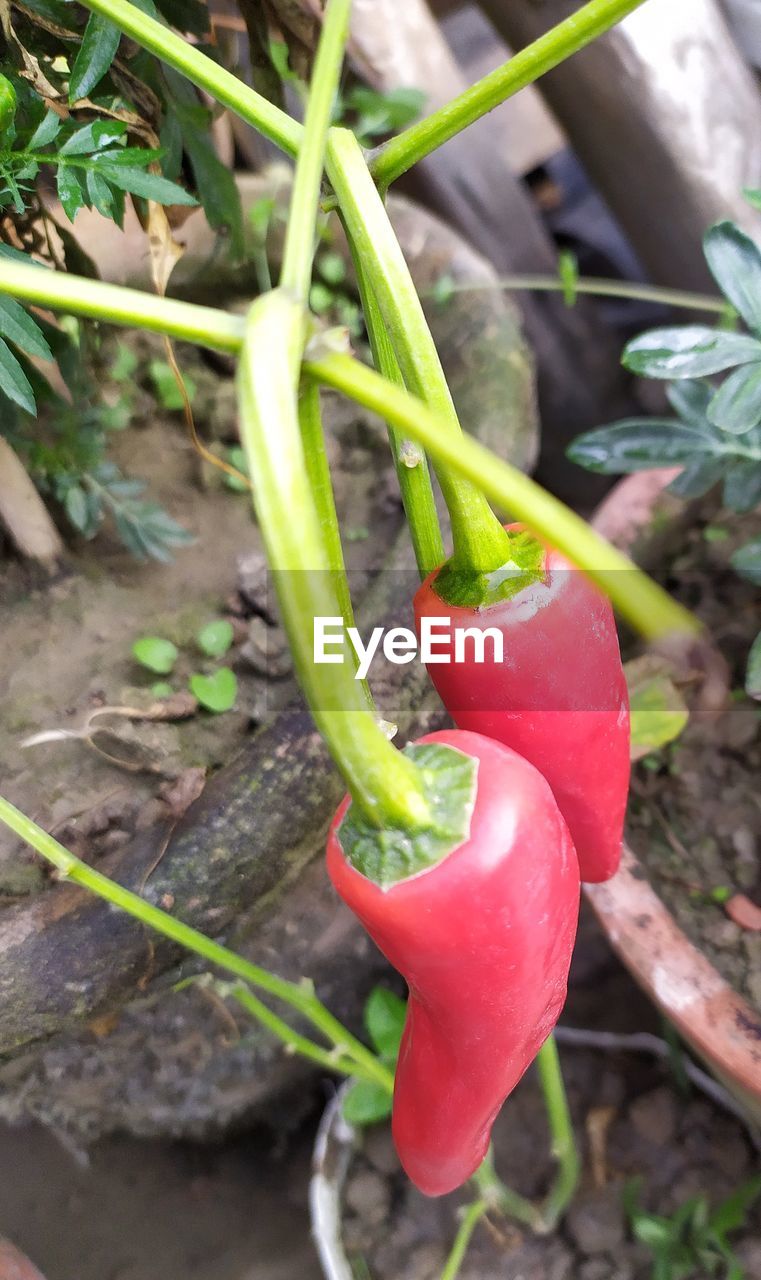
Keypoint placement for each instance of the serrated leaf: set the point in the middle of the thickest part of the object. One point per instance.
(658, 711)
(215, 638)
(94, 56)
(18, 327)
(735, 264)
(130, 156)
(753, 672)
(150, 186)
(70, 191)
(93, 137)
(100, 195)
(47, 131)
(637, 444)
(384, 1017)
(155, 653)
(747, 561)
(742, 485)
(736, 406)
(217, 692)
(13, 380)
(689, 351)
(366, 1103)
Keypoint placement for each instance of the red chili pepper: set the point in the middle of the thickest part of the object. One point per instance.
(484, 940)
(558, 696)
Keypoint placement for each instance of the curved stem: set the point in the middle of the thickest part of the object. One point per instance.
(470, 1220)
(385, 784)
(579, 29)
(598, 286)
(298, 996)
(480, 542)
(298, 251)
(564, 1147)
(500, 1197)
(640, 600)
(203, 71)
(411, 468)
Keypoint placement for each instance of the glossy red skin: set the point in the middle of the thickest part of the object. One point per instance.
(484, 941)
(559, 699)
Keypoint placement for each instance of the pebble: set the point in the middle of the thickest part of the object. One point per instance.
(654, 1116)
(379, 1151)
(368, 1195)
(596, 1221)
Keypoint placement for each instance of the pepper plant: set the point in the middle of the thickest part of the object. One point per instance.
(459, 829)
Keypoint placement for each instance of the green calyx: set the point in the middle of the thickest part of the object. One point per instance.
(467, 589)
(391, 854)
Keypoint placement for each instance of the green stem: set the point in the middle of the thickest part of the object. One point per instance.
(409, 460)
(480, 542)
(598, 286)
(298, 251)
(385, 784)
(223, 86)
(500, 1197)
(294, 1041)
(564, 1147)
(299, 997)
(470, 1219)
(579, 29)
(640, 600)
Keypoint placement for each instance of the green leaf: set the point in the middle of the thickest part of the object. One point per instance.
(150, 186)
(698, 477)
(735, 263)
(100, 194)
(742, 485)
(165, 382)
(386, 857)
(125, 364)
(77, 507)
(216, 186)
(332, 268)
(384, 1018)
(237, 458)
(736, 406)
(69, 190)
(216, 692)
(366, 1104)
(93, 137)
(690, 400)
(568, 271)
(155, 653)
(690, 351)
(47, 131)
(215, 638)
(753, 197)
(637, 444)
(13, 380)
(94, 56)
(658, 711)
(162, 689)
(747, 561)
(18, 327)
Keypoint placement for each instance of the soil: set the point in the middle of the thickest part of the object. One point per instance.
(695, 809)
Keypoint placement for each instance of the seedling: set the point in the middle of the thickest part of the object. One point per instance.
(155, 653)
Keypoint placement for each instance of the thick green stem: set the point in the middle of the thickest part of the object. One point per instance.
(640, 600)
(299, 997)
(480, 542)
(564, 1147)
(409, 460)
(298, 251)
(223, 86)
(576, 31)
(384, 783)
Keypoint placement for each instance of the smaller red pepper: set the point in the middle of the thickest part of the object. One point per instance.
(484, 939)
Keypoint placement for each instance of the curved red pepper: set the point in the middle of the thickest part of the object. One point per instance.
(484, 940)
(558, 698)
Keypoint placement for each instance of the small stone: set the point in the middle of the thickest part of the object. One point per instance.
(740, 727)
(378, 1149)
(426, 1262)
(723, 934)
(654, 1116)
(596, 1222)
(744, 842)
(368, 1195)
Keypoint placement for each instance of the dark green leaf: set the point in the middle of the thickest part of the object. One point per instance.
(747, 561)
(366, 1103)
(94, 56)
(384, 1016)
(753, 672)
(151, 186)
(138, 157)
(735, 263)
(186, 15)
(155, 653)
(70, 191)
(698, 477)
(13, 380)
(18, 327)
(16, 255)
(742, 485)
(100, 195)
(736, 406)
(216, 692)
(690, 400)
(690, 351)
(47, 130)
(217, 189)
(636, 444)
(93, 137)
